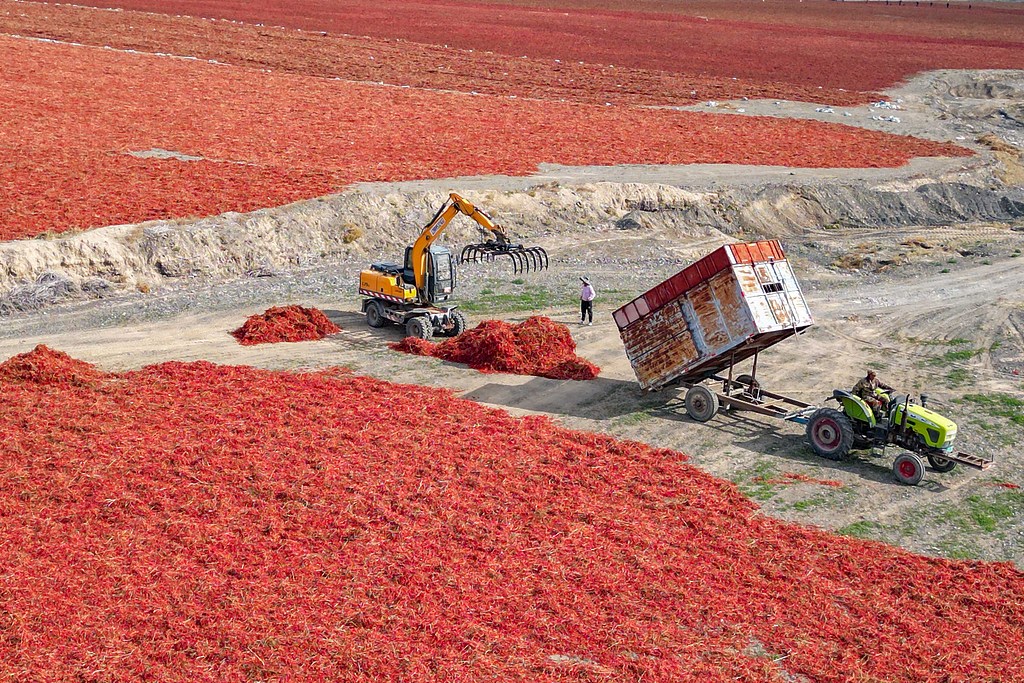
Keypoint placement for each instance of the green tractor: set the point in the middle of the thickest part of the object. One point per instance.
(905, 424)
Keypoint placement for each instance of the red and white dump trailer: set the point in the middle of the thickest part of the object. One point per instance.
(697, 325)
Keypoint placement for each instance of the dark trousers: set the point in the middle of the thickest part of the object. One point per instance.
(586, 310)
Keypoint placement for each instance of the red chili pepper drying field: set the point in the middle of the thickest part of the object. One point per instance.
(811, 43)
(537, 346)
(285, 324)
(396, 62)
(196, 138)
(193, 522)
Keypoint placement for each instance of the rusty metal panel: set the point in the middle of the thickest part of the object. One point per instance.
(732, 306)
(747, 279)
(665, 362)
(761, 313)
(780, 309)
(654, 330)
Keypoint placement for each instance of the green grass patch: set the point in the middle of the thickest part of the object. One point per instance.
(529, 298)
(635, 418)
(863, 529)
(957, 549)
(747, 481)
(957, 377)
(985, 513)
(810, 503)
(957, 356)
(999, 405)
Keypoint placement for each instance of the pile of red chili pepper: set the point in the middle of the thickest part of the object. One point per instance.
(537, 346)
(285, 324)
(189, 521)
(44, 365)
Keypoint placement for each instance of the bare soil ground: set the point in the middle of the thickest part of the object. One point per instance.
(938, 310)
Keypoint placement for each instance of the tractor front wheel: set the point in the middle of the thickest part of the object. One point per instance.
(941, 464)
(830, 433)
(908, 468)
(701, 403)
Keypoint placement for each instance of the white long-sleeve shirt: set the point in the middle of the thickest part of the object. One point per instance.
(588, 293)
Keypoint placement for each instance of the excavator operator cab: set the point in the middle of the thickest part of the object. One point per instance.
(441, 272)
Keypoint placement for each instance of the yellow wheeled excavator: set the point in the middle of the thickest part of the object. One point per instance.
(410, 294)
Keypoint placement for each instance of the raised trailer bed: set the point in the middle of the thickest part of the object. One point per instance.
(727, 307)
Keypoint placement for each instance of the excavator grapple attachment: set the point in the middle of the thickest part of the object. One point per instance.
(524, 259)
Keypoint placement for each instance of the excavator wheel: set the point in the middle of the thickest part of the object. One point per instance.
(374, 315)
(420, 328)
(458, 324)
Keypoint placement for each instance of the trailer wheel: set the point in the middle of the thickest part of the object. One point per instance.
(701, 403)
(374, 315)
(830, 433)
(940, 464)
(419, 327)
(908, 468)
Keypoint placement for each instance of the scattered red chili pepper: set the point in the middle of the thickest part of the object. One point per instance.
(793, 477)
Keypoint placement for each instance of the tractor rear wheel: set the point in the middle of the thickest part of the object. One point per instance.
(701, 403)
(830, 433)
(908, 468)
(419, 327)
(375, 315)
(940, 464)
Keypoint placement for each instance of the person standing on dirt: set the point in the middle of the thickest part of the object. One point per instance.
(587, 295)
(866, 389)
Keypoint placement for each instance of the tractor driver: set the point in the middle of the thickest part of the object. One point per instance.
(866, 389)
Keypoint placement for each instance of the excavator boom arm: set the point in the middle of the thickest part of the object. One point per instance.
(454, 206)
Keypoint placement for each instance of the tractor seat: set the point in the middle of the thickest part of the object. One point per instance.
(840, 394)
(387, 268)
